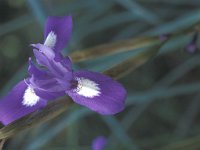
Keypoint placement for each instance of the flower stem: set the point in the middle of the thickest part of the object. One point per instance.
(2, 142)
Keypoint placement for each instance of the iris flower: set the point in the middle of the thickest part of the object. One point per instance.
(52, 76)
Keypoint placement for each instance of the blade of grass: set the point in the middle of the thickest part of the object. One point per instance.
(185, 122)
(2, 144)
(182, 22)
(118, 131)
(132, 63)
(188, 144)
(18, 23)
(19, 75)
(104, 23)
(179, 71)
(64, 123)
(51, 111)
(37, 10)
(161, 92)
(116, 47)
(140, 11)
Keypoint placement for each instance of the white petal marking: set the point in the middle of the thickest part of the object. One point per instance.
(30, 98)
(87, 88)
(51, 40)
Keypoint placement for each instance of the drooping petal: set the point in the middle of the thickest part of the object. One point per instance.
(98, 92)
(99, 143)
(57, 32)
(21, 101)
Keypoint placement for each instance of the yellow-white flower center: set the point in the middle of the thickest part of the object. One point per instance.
(87, 88)
(51, 40)
(30, 98)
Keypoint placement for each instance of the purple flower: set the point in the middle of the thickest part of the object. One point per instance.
(53, 77)
(99, 143)
(191, 47)
(163, 37)
(93, 90)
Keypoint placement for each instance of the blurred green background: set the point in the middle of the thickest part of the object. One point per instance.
(163, 95)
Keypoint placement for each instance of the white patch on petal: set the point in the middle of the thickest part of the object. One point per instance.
(87, 88)
(30, 98)
(51, 40)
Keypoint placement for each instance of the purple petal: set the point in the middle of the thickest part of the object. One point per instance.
(99, 143)
(44, 61)
(65, 61)
(14, 105)
(46, 86)
(65, 82)
(39, 73)
(191, 48)
(49, 95)
(41, 58)
(55, 62)
(48, 52)
(58, 32)
(98, 92)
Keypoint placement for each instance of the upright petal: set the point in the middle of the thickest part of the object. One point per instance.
(99, 143)
(98, 92)
(46, 86)
(47, 51)
(65, 61)
(57, 32)
(41, 59)
(55, 62)
(39, 73)
(21, 101)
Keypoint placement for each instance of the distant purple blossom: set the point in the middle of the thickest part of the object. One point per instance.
(53, 77)
(191, 47)
(163, 37)
(99, 143)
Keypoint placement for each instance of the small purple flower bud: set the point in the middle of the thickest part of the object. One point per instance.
(163, 37)
(192, 46)
(99, 143)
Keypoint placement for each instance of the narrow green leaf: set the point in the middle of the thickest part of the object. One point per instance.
(113, 48)
(117, 129)
(188, 144)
